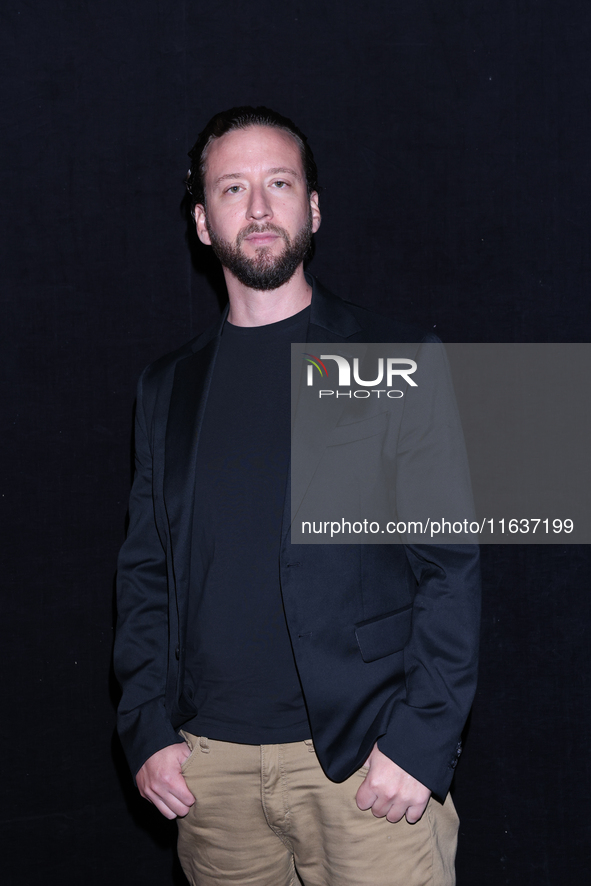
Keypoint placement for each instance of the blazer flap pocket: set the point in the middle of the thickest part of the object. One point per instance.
(359, 430)
(384, 635)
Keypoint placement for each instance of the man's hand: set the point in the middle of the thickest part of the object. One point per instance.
(160, 781)
(390, 791)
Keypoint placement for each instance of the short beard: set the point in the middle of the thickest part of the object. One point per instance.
(265, 271)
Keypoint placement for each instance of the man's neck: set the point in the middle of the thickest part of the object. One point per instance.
(252, 307)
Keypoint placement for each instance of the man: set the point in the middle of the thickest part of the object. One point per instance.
(236, 649)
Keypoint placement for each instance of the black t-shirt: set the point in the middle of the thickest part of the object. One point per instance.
(240, 664)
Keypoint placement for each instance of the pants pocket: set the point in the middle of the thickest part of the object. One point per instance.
(193, 743)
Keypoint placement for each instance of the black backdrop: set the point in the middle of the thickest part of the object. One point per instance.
(452, 138)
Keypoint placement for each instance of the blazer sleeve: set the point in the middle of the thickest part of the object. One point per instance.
(141, 650)
(441, 657)
(440, 664)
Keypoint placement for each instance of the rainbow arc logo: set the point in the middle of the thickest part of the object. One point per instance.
(317, 362)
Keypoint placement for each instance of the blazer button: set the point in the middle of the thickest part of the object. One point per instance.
(177, 652)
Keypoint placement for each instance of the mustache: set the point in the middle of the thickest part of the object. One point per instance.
(254, 228)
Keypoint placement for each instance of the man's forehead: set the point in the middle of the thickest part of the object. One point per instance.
(254, 144)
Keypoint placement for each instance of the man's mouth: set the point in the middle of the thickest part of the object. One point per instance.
(265, 239)
(259, 237)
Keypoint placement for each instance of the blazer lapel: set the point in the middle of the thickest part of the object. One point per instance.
(188, 399)
(330, 321)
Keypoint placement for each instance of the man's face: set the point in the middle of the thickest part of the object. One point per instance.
(259, 218)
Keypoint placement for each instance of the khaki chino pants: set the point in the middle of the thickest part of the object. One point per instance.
(265, 814)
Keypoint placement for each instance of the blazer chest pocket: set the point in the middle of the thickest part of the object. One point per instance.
(385, 635)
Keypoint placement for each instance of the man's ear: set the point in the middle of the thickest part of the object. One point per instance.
(316, 217)
(201, 225)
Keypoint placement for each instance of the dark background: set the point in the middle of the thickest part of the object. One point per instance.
(452, 138)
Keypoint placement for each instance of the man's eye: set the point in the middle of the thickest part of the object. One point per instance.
(233, 189)
(280, 184)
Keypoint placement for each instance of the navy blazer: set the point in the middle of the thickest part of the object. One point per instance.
(385, 637)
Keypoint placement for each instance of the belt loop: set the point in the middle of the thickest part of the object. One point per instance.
(204, 744)
(309, 744)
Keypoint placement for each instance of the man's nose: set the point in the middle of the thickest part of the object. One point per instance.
(259, 206)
